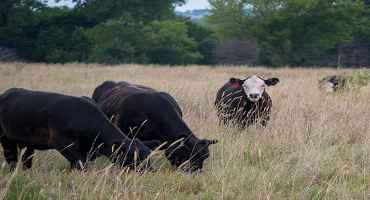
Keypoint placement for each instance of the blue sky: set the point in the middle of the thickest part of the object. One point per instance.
(190, 4)
(194, 4)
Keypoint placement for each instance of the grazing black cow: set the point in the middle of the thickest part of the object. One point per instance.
(244, 102)
(147, 114)
(73, 126)
(332, 83)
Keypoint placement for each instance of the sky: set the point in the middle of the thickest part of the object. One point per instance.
(190, 4)
(194, 4)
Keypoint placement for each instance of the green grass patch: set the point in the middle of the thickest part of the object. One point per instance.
(358, 78)
(23, 188)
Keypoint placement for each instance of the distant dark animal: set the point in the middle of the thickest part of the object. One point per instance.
(332, 83)
(244, 102)
(147, 114)
(73, 126)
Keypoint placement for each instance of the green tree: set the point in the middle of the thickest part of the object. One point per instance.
(302, 32)
(43, 34)
(18, 24)
(204, 36)
(230, 19)
(60, 36)
(141, 10)
(168, 42)
(293, 32)
(13, 10)
(116, 41)
(108, 31)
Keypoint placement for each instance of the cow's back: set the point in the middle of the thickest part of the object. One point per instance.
(105, 87)
(19, 106)
(24, 116)
(111, 95)
(126, 104)
(23, 111)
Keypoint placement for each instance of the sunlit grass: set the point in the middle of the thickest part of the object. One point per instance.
(316, 145)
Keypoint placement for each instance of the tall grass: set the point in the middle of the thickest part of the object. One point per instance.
(316, 145)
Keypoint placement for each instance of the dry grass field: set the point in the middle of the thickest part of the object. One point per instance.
(316, 145)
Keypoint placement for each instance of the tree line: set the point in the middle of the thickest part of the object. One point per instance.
(295, 32)
(285, 32)
(104, 31)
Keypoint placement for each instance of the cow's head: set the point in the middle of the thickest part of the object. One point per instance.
(332, 83)
(131, 153)
(190, 157)
(255, 86)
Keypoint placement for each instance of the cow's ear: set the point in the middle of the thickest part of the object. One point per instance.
(209, 142)
(272, 81)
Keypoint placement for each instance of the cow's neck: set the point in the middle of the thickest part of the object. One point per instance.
(191, 141)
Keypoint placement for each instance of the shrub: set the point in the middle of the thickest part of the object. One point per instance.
(116, 41)
(167, 42)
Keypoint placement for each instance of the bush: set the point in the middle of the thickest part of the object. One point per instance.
(128, 41)
(103, 32)
(207, 42)
(61, 37)
(207, 48)
(48, 35)
(167, 42)
(116, 41)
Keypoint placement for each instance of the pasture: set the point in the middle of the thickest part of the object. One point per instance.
(316, 145)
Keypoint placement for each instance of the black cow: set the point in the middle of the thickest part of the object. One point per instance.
(73, 126)
(147, 114)
(244, 102)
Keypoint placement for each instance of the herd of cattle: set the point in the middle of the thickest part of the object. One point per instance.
(122, 121)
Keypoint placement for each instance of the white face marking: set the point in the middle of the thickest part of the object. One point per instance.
(254, 88)
(329, 87)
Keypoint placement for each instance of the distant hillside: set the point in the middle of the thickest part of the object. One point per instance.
(194, 14)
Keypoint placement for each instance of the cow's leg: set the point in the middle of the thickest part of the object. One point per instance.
(72, 153)
(27, 158)
(265, 118)
(66, 143)
(74, 158)
(10, 151)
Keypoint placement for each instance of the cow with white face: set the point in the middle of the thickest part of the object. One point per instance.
(242, 102)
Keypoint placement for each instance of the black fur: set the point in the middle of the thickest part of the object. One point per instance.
(73, 126)
(147, 114)
(234, 108)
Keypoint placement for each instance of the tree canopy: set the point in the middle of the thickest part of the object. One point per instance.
(282, 32)
(106, 31)
(291, 32)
